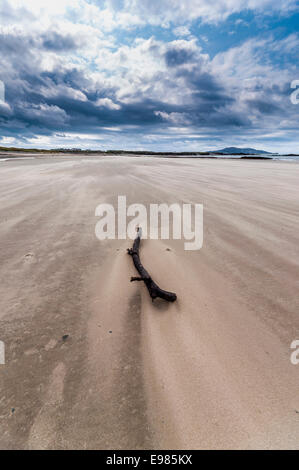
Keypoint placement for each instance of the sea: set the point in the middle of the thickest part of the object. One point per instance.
(289, 158)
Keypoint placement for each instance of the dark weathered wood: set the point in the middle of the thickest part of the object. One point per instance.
(152, 287)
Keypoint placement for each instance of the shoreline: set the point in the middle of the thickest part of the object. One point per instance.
(8, 155)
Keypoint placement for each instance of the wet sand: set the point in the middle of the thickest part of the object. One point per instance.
(211, 370)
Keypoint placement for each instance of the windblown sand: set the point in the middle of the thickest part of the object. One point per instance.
(211, 370)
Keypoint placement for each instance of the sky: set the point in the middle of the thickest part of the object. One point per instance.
(167, 75)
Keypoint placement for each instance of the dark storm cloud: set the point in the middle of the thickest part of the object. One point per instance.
(20, 44)
(71, 76)
(65, 98)
(16, 45)
(264, 107)
(175, 57)
(57, 109)
(209, 99)
(46, 102)
(56, 42)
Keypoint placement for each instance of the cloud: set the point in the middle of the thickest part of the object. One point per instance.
(76, 68)
(174, 118)
(181, 31)
(107, 103)
(178, 56)
(146, 84)
(166, 11)
(110, 15)
(56, 42)
(42, 115)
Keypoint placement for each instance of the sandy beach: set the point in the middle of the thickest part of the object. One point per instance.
(210, 371)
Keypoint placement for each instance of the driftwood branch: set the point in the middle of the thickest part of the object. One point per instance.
(152, 287)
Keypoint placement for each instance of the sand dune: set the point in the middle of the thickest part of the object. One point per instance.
(211, 370)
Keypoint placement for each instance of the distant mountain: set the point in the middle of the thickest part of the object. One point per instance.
(243, 151)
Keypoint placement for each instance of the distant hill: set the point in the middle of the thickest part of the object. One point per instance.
(241, 151)
(225, 151)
